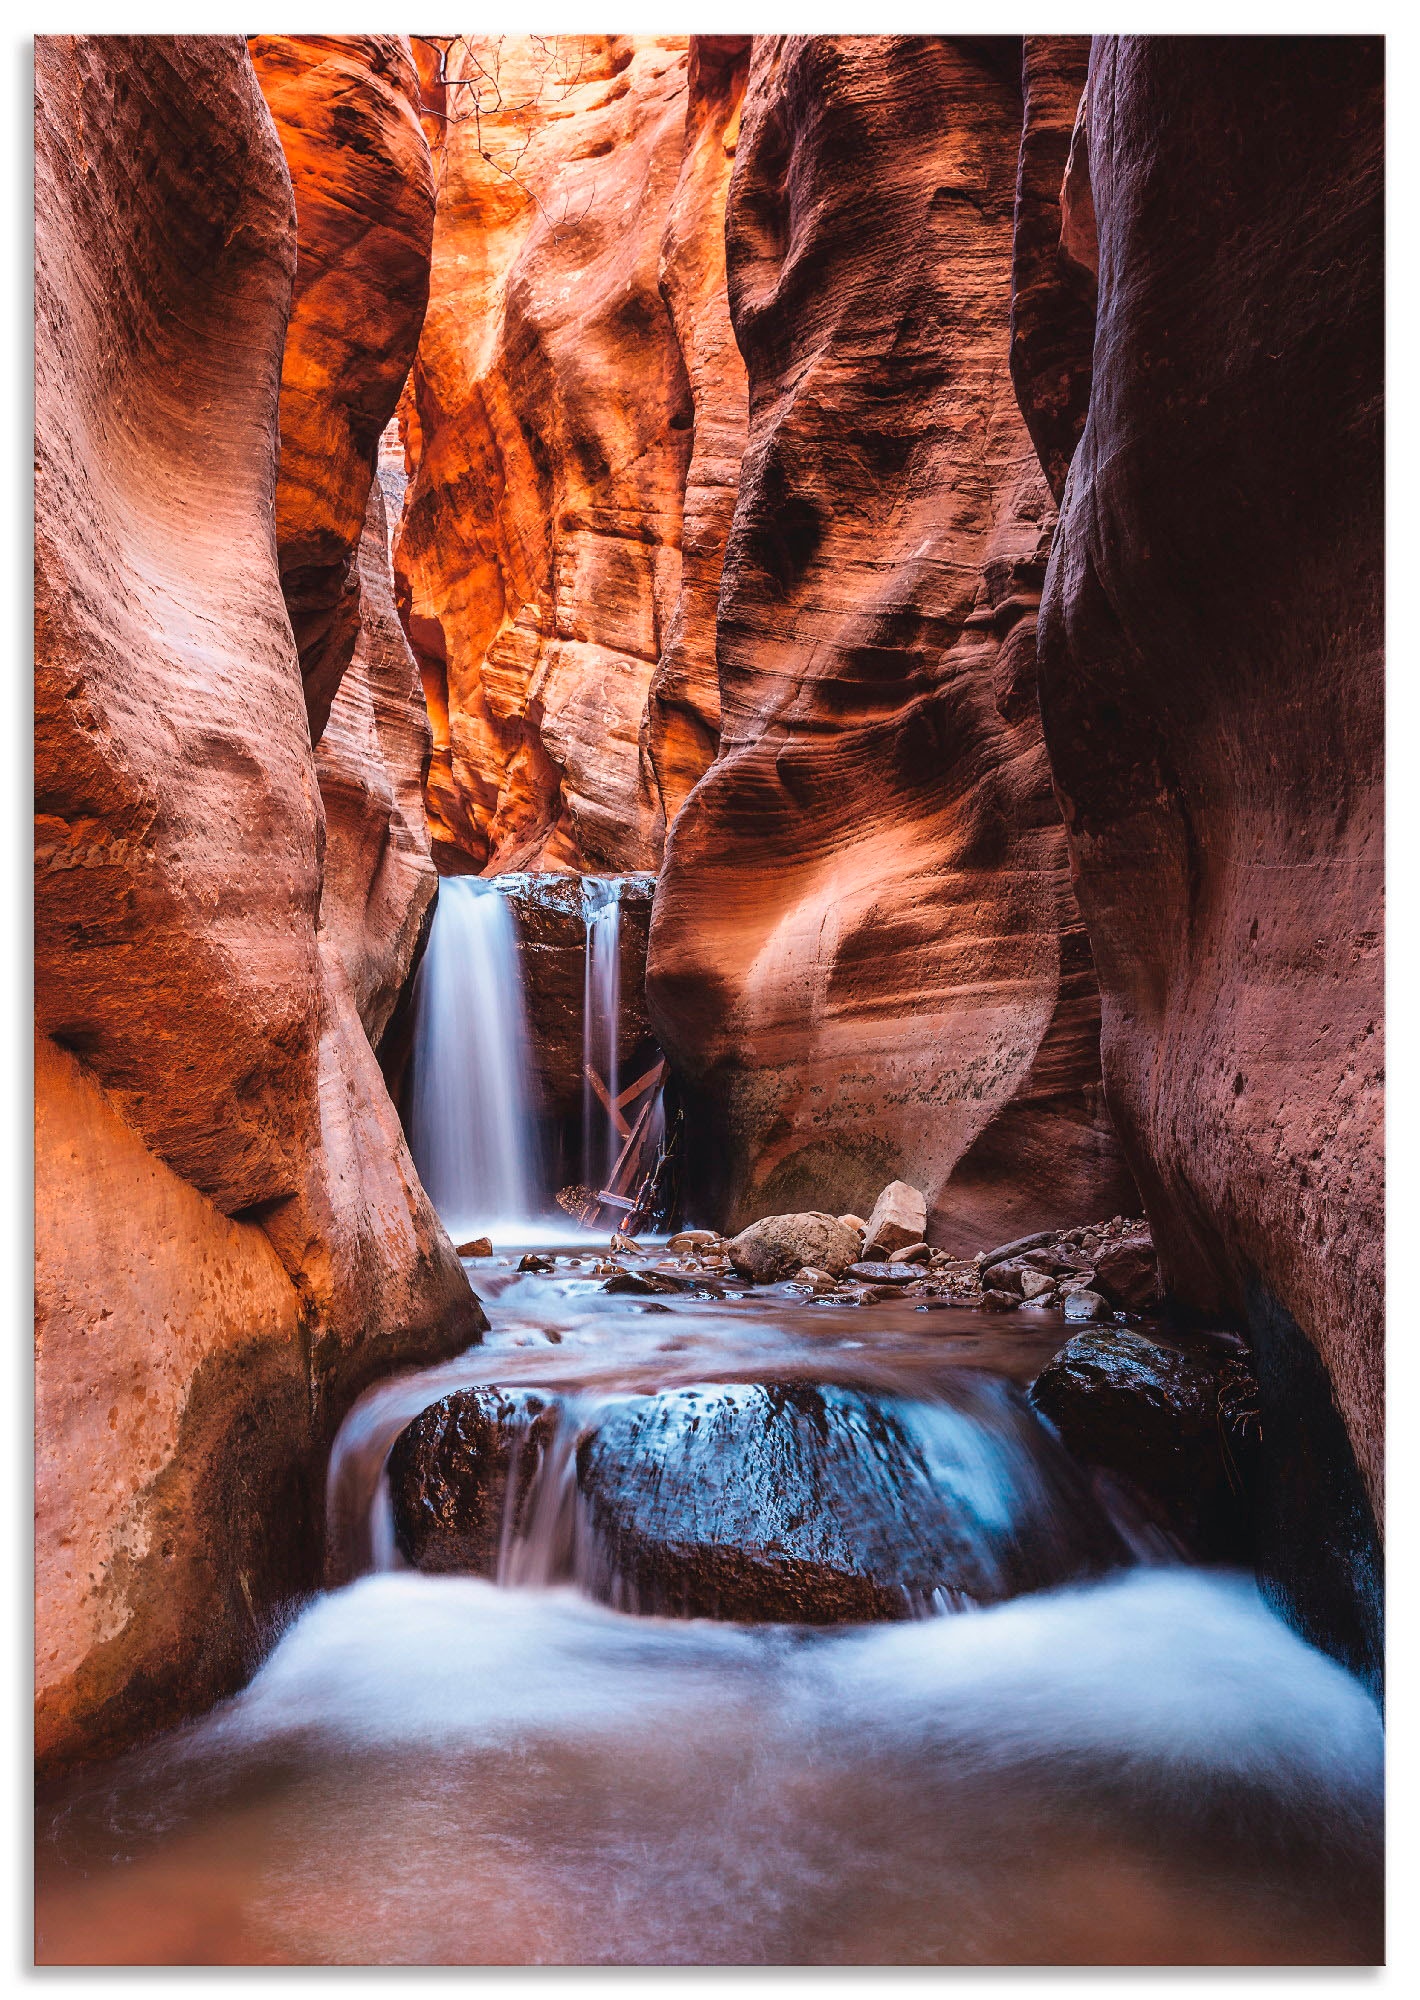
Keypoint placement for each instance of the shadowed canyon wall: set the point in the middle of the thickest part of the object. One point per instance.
(1212, 693)
(231, 1240)
(866, 960)
(575, 412)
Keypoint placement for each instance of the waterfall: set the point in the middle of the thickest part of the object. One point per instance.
(471, 1128)
(601, 1012)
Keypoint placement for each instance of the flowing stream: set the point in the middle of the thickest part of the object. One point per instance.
(1140, 1767)
(1087, 1754)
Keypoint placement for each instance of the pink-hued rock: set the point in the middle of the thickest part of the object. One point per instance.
(866, 960)
(230, 1237)
(1211, 680)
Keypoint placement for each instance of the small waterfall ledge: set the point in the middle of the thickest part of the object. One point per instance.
(473, 1128)
(532, 1062)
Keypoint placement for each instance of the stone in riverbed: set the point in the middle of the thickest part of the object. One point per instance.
(448, 1475)
(1177, 1426)
(1036, 1285)
(646, 1282)
(813, 1504)
(883, 1274)
(1127, 1272)
(532, 1262)
(479, 1246)
(1084, 1304)
(779, 1245)
(854, 1222)
(693, 1239)
(998, 1302)
(899, 1217)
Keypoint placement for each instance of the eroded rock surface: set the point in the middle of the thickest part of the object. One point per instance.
(865, 956)
(552, 430)
(347, 111)
(231, 1241)
(1211, 679)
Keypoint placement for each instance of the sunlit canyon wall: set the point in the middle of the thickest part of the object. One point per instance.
(231, 858)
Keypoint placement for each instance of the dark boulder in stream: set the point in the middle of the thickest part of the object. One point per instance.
(812, 1504)
(1177, 1427)
(449, 1472)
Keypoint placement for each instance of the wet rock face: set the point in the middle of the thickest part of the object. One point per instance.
(1211, 677)
(1180, 1427)
(347, 111)
(449, 1474)
(812, 1505)
(575, 390)
(865, 958)
(789, 1501)
(230, 1237)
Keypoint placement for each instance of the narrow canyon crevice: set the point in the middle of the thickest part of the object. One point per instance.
(906, 509)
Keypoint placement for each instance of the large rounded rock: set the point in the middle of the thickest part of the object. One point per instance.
(812, 1504)
(782, 1244)
(449, 1474)
(1178, 1428)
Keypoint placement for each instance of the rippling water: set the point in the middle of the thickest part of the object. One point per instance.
(1147, 1769)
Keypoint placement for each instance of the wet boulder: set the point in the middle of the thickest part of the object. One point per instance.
(449, 1474)
(646, 1282)
(1176, 1427)
(779, 1245)
(870, 1273)
(812, 1504)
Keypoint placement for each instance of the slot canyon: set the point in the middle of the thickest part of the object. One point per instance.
(709, 963)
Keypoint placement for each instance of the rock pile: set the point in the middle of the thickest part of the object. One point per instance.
(1094, 1270)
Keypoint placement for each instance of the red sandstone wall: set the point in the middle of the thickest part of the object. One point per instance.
(575, 371)
(865, 955)
(347, 111)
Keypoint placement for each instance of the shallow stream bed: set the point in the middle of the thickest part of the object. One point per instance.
(1143, 1768)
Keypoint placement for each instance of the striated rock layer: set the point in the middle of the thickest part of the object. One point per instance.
(231, 1240)
(347, 111)
(1211, 686)
(575, 413)
(865, 955)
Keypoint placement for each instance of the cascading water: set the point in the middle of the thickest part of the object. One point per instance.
(601, 1019)
(472, 1128)
(1137, 1767)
